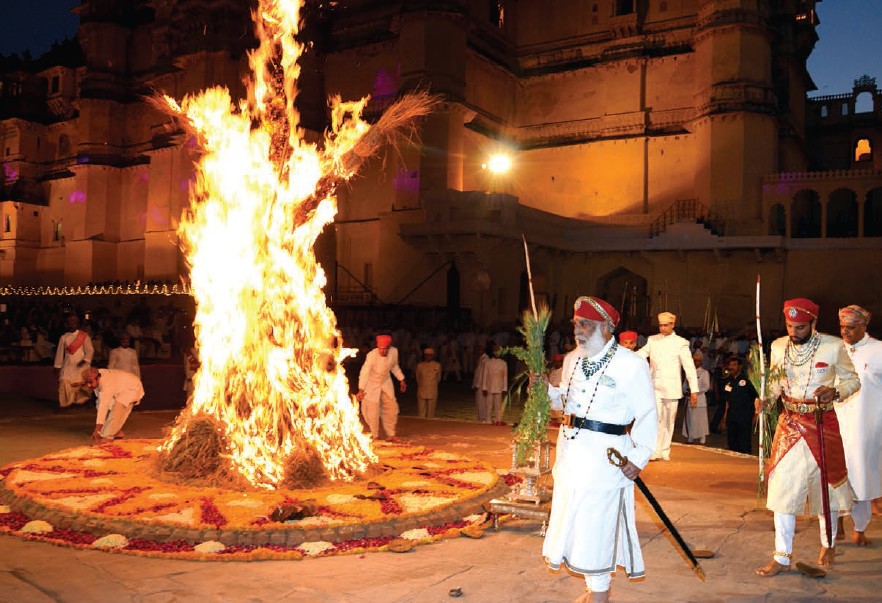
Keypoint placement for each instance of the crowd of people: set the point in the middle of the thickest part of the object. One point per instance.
(611, 394)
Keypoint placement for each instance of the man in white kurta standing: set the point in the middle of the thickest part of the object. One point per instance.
(604, 389)
(860, 418)
(815, 370)
(428, 375)
(494, 383)
(669, 356)
(376, 393)
(117, 391)
(124, 357)
(482, 402)
(73, 355)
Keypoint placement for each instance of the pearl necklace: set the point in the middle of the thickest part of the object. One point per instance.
(797, 355)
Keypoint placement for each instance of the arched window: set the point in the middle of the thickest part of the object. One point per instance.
(824, 111)
(842, 214)
(863, 103)
(845, 108)
(777, 220)
(805, 215)
(863, 150)
(873, 213)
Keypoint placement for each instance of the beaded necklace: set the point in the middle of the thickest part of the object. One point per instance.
(800, 357)
(589, 369)
(797, 355)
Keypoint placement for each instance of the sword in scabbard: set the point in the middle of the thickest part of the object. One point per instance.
(822, 465)
(615, 457)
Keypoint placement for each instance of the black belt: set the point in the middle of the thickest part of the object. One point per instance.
(591, 425)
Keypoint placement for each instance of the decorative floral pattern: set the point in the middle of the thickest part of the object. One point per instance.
(118, 482)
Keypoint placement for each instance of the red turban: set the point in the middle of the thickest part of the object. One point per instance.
(594, 308)
(627, 336)
(384, 341)
(800, 310)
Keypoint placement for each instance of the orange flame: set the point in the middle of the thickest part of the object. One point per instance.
(265, 334)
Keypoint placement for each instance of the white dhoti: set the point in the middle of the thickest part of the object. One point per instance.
(797, 478)
(592, 532)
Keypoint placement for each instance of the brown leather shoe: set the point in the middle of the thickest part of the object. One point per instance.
(772, 569)
(859, 539)
(827, 556)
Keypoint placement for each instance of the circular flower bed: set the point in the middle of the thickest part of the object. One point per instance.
(109, 498)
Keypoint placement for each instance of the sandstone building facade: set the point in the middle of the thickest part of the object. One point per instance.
(664, 153)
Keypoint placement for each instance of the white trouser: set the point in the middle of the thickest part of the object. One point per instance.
(861, 511)
(785, 528)
(383, 408)
(598, 583)
(494, 402)
(115, 419)
(667, 415)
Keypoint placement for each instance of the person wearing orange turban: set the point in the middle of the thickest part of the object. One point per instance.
(376, 393)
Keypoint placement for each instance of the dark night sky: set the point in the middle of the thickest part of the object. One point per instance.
(850, 32)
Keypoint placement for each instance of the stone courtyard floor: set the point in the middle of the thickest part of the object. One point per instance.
(710, 496)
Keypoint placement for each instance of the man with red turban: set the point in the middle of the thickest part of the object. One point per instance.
(628, 339)
(376, 391)
(606, 396)
(860, 418)
(814, 371)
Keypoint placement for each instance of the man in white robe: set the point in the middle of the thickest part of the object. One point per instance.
(124, 357)
(376, 393)
(494, 384)
(668, 355)
(73, 355)
(604, 389)
(117, 391)
(860, 418)
(815, 370)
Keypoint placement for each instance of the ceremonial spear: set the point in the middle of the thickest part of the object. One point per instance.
(762, 390)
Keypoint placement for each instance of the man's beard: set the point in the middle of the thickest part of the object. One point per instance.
(593, 344)
(802, 340)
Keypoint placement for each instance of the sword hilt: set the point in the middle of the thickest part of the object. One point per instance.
(615, 458)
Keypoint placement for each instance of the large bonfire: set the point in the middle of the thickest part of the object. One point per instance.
(271, 405)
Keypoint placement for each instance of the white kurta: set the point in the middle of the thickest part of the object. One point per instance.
(117, 392)
(124, 359)
(667, 355)
(860, 421)
(68, 362)
(796, 478)
(379, 403)
(592, 528)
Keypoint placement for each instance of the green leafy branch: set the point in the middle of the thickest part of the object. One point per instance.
(533, 425)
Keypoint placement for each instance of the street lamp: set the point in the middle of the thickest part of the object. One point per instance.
(498, 163)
